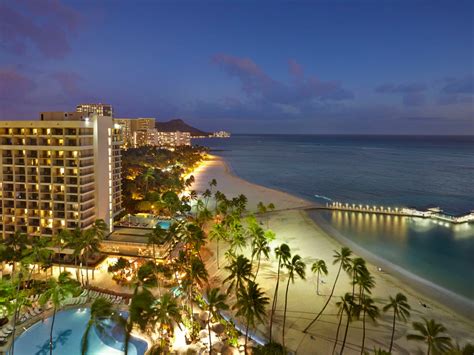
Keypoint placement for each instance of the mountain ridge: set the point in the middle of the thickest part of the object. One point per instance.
(178, 124)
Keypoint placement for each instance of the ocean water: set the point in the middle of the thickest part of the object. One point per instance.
(381, 170)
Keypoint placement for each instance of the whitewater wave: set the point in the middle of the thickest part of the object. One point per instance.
(323, 197)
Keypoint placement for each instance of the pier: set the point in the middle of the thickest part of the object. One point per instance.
(433, 213)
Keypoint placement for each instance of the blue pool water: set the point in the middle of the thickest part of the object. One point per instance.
(164, 224)
(69, 327)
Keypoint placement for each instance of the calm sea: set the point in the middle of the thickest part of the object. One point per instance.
(382, 170)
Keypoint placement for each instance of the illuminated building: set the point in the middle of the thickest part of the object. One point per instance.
(132, 125)
(98, 109)
(59, 174)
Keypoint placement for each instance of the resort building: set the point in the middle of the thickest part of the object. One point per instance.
(130, 126)
(98, 109)
(58, 173)
(172, 139)
(168, 140)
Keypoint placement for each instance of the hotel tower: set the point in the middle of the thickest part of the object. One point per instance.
(60, 172)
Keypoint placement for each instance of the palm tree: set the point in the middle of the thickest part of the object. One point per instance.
(366, 283)
(295, 266)
(240, 272)
(36, 254)
(355, 269)
(343, 258)
(218, 233)
(156, 238)
(344, 307)
(148, 175)
(401, 311)
(368, 308)
(57, 291)
(215, 304)
(261, 246)
(251, 303)
(165, 311)
(430, 333)
(101, 311)
(319, 267)
(92, 238)
(58, 241)
(283, 254)
(196, 274)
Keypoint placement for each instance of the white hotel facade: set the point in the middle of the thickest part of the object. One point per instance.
(61, 172)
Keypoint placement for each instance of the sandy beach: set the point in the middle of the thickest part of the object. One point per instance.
(293, 226)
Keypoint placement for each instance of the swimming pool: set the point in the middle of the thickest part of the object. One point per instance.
(69, 327)
(165, 224)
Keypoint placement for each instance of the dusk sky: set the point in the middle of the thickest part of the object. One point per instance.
(384, 67)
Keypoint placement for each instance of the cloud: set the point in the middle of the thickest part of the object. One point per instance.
(295, 69)
(44, 25)
(258, 85)
(463, 85)
(454, 99)
(14, 86)
(400, 88)
(412, 93)
(69, 82)
(414, 99)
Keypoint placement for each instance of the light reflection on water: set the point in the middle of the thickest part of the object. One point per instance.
(437, 251)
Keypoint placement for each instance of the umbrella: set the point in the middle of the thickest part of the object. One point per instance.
(218, 328)
(203, 334)
(204, 316)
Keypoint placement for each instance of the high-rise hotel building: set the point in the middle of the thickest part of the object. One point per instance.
(63, 171)
(131, 127)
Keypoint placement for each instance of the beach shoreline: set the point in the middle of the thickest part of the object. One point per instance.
(312, 238)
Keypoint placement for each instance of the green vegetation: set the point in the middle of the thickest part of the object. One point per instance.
(153, 177)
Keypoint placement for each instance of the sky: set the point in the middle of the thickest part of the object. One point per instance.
(309, 67)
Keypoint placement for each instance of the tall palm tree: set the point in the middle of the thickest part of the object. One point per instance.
(59, 241)
(57, 291)
(368, 308)
(35, 254)
(218, 232)
(101, 311)
(240, 272)
(156, 238)
(74, 241)
(196, 275)
(148, 175)
(366, 283)
(295, 267)
(215, 304)
(343, 258)
(165, 311)
(343, 308)
(283, 254)
(431, 334)
(92, 238)
(261, 247)
(356, 268)
(319, 267)
(251, 303)
(401, 311)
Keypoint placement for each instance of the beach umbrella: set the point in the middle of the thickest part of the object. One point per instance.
(229, 350)
(218, 346)
(218, 328)
(204, 316)
(203, 334)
